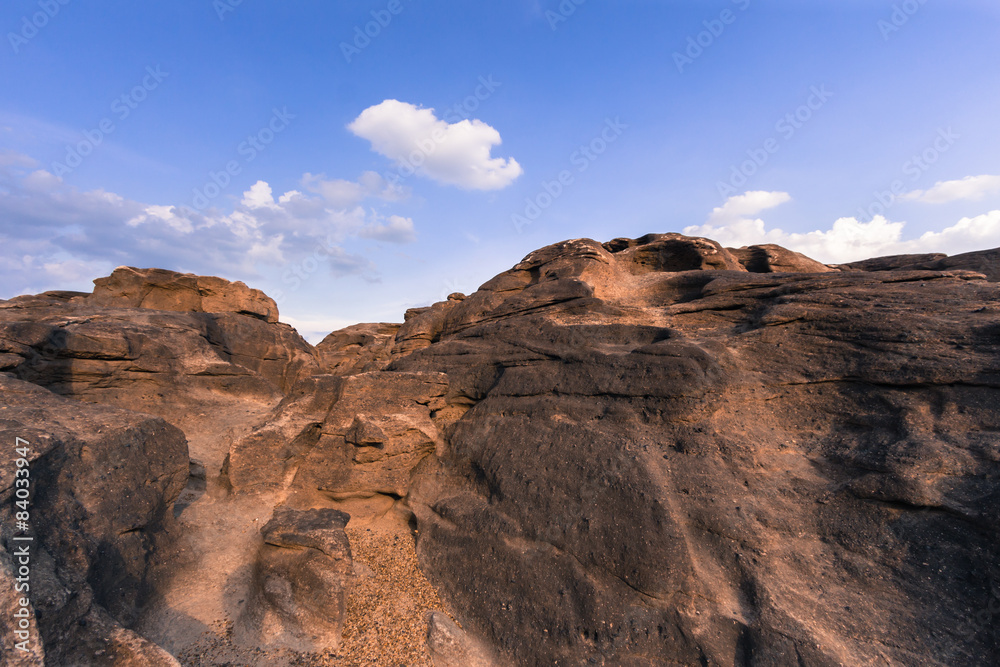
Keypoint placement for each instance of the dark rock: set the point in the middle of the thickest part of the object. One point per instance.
(770, 258)
(21, 641)
(891, 262)
(103, 481)
(717, 467)
(297, 597)
(986, 262)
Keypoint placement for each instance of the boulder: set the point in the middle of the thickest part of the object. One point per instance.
(342, 436)
(297, 595)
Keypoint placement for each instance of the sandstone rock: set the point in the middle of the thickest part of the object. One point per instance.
(655, 253)
(986, 262)
(717, 467)
(891, 262)
(361, 434)
(175, 365)
(268, 457)
(158, 289)
(103, 481)
(770, 258)
(648, 451)
(107, 644)
(374, 436)
(299, 578)
(357, 349)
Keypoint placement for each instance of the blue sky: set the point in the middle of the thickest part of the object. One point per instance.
(353, 175)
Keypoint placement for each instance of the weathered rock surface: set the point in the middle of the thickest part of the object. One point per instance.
(649, 451)
(178, 365)
(770, 258)
(344, 436)
(299, 578)
(718, 467)
(986, 262)
(357, 349)
(19, 636)
(102, 481)
(159, 289)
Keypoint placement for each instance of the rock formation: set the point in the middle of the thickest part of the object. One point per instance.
(102, 482)
(157, 289)
(642, 452)
(299, 578)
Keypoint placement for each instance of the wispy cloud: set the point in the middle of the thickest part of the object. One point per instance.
(970, 188)
(53, 233)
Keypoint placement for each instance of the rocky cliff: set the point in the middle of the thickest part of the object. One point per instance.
(648, 451)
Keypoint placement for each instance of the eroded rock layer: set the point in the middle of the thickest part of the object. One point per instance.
(651, 451)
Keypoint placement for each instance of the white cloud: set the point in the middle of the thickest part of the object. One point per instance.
(847, 239)
(258, 196)
(749, 203)
(341, 193)
(9, 158)
(167, 215)
(395, 230)
(451, 153)
(978, 233)
(970, 188)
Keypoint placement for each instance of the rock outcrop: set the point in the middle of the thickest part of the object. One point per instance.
(102, 482)
(357, 349)
(359, 435)
(649, 451)
(131, 347)
(158, 289)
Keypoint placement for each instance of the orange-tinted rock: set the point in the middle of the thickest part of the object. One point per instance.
(158, 289)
